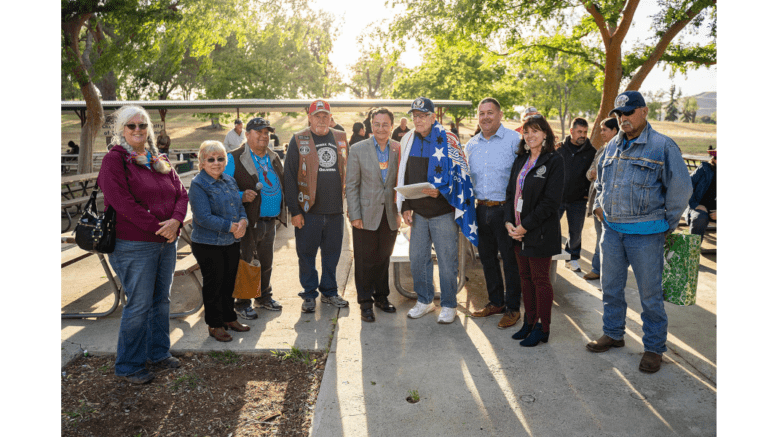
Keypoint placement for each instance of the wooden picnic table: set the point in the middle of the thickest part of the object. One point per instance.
(693, 161)
(184, 267)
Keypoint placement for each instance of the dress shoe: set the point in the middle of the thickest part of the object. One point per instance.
(386, 306)
(237, 326)
(219, 334)
(509, 319)
(591, 276)
(651, 362)
(536, 337)
(525, 330)
(604, 343)
(368, 315)
(489, 310)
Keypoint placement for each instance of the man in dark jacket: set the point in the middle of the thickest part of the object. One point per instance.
(578, 153)
(703, 204)
(259, 176)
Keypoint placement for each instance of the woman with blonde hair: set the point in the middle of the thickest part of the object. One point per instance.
(219, 222)
(150, 203)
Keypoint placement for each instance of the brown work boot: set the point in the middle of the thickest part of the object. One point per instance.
(651, 362)
(219, 334)
(591, 275)
(236, 326)
(604, 343)
(489, 310)
(509, 319)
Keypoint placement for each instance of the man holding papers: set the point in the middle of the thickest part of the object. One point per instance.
(430, 154)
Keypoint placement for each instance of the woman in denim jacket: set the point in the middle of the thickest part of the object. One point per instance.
(219, 221)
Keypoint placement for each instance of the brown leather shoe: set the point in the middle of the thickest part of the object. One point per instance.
(604, 343)
(489, 310)
(219, 334)
(591, 276)
(509, 319)
(651, 362)
(237, 326)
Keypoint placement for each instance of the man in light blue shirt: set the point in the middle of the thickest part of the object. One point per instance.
(490, 155)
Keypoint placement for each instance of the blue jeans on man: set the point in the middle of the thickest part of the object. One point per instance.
(493, 239)
(324, 231)
(645, 255)
(596, 261)
(444, 233)
(575, 220)
(145, 270)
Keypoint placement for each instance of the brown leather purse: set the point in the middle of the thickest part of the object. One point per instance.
(248, 283)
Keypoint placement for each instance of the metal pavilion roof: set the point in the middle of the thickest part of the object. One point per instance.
(260, 105)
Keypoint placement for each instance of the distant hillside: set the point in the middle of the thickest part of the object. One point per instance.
(708, 103)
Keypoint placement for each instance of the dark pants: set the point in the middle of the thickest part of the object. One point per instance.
(372, 256)
(575, 219)
(493, 237)
(697, 221)
(537, 291)
(259, 243)
(218, 265)
(324, 231)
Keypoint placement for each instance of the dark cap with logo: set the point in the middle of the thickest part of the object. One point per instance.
(627, 101)
(259, 123)
(421, 104)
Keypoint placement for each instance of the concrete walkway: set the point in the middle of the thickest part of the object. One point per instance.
(471, 378)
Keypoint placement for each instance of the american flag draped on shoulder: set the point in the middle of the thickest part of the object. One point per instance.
(449, 173)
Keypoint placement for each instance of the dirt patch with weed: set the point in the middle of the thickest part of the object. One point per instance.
(211, 394)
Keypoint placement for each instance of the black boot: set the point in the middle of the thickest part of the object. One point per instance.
(524, 331)
(536, 337)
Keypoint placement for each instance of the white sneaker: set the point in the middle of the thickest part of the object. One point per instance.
(574, 266)
(420, 309)
(447, 315)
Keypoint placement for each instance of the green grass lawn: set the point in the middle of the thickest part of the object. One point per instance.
(188, 132)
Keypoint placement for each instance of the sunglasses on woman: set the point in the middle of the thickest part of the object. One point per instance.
(132, 126)
(219, 159)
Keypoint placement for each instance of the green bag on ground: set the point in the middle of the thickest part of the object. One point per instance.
(682, 253)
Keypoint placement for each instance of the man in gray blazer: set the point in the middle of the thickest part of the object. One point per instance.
(369, 189)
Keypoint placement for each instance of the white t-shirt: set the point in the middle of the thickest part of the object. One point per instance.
(232, 141)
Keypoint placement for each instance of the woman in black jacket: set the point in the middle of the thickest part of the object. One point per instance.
(531, 213)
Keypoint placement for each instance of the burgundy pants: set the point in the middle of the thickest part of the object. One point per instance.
(536, 288)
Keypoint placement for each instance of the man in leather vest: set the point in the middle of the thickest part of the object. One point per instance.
(259, 175)
(314, 174)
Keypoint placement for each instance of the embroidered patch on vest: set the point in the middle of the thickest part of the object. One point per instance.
(304, 150)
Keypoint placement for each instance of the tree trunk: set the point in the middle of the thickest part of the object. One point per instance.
(107, 86)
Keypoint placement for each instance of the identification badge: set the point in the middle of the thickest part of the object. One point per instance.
(519, 205)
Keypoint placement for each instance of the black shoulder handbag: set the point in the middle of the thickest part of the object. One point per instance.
(96, 231)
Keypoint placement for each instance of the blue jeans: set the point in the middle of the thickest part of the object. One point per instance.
(596, 261)
(645, 254)
(575, 220)
(444, 233)
(145, 270)
(697, 221)
(323, 231)
(493, 239)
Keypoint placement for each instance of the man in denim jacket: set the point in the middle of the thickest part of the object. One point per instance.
(642, 190)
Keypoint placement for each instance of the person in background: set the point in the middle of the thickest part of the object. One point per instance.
(400, 130)
(642, 189)
(528, 112)
(609, 128)
(219, 221)
(704, 201)
(163, 142)
(72, 148)
(150, 203)
(334, 125)
(534, 194)
(578, 154)
(258, 171)
(358, 134)
(235, 137)
(369, 188)
(455, 130)
(490, 155)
